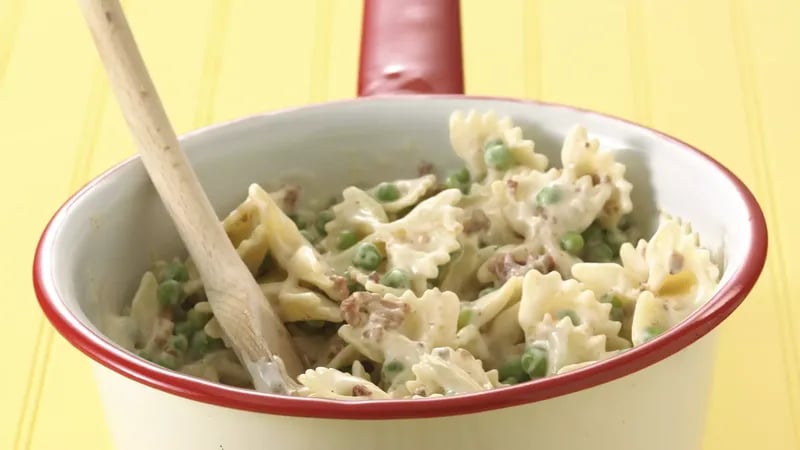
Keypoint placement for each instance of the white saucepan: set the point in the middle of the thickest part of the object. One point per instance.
(653, 397)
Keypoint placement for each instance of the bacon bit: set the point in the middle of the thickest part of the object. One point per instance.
(351, 306)
(675, 263)
(507, 266)
(340, 287)
(549, 264)
(374, 313)
(290, 197)
(360, 390)
(425, 168)
(478, 221)
(512, 185)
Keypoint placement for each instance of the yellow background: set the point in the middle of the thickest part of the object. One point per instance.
(721, 74)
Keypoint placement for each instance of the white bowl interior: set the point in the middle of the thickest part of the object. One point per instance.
(109, 234)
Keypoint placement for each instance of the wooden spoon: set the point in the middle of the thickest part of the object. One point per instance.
(250, 325)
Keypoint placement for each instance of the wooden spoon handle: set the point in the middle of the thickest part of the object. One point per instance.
(230, 286)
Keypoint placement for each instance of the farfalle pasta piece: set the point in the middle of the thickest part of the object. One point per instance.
(552, 202)
(357, 212)
(484, 214)
(459, 275)
(423, 240)
(359, 371)
(410, 191)
(430, 320)
(434, 318)
(471, 339)
(449, 372)
(672, 265)
(293, 252)
(484, 309)
(369, 318)
(300, 304)
(518, 193)
(678, 266)
(549, 295)
(323, 382)
(567, 344)
(247, 229)
(145, 307)
(653, 315)
(469, 135)
(625, 279)
(580, 157)
(503, 334)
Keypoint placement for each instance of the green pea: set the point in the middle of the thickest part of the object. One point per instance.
(615, 238)
(169, 293)
(393, 366)
(486, 291)
(548, 195)
(298, 221)
(652, 332)
(354, 286)
(593, 235)
(499, 157)
(164, 359)
(346, 240)
(197, 319)
(465, 317)
(491, 143)
(451, 182)
(178, 343)
(599, 252)
(572, 243)
(174, 270)
(199, 344)
(510, 380)
(387, 192)
(617, 312)
(266, 263)
(185, 328)
(367, 257)
(322, 219)
(534, 361)
(513, 368)
(573, 317)
(396, 278)
(461, 175)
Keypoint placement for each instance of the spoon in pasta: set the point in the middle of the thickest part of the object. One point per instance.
(250, 325)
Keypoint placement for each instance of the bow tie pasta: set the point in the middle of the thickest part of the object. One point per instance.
(499, 272)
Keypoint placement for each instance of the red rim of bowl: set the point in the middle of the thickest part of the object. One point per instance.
(702, 321)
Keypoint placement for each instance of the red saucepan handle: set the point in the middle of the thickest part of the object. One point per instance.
(411, 46)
